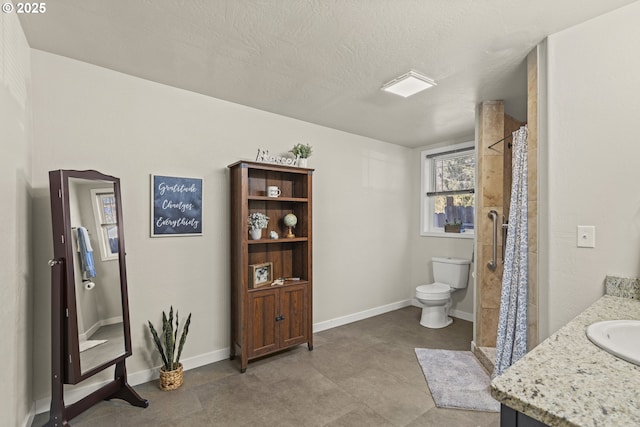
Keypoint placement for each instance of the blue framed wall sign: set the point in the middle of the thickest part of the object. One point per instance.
(176, 206)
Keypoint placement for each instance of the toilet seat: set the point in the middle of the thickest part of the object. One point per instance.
(433, 291)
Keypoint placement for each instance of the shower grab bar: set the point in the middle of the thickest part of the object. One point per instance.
(505, 229)
(493, 263)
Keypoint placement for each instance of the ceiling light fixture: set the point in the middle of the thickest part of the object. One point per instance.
(408, 84)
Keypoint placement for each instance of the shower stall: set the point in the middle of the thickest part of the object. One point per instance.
(493, 193)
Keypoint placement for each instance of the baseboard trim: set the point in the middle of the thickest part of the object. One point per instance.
(135, 378)
(28, 420)
(144, 376)
(461, 315)
(350, 318)
(100, 323)
(453, 313)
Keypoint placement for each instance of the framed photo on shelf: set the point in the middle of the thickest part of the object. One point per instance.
(260, 275)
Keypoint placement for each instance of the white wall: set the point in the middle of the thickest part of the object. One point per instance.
(592, 157)
(15, 229)
(86, 117)
(423, 248)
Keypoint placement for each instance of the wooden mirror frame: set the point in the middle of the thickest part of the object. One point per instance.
(65, 354)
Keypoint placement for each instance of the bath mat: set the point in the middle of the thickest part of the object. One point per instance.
(456, 380)
(88, 344)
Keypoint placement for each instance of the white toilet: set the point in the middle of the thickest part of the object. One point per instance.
(449, 274)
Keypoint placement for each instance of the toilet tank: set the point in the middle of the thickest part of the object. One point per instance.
(451, 271)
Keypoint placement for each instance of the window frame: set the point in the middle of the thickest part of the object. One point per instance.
(106, 254)
(426, 184)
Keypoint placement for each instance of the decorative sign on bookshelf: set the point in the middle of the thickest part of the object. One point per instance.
(264, 157)
(176, 206)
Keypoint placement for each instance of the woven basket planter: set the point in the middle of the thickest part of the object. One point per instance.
(171, 380)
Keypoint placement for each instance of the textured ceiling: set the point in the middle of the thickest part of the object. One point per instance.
(322, 61)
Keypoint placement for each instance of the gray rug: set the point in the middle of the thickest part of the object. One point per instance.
(456, 380)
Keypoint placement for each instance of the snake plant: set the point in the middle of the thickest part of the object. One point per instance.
(166, 343)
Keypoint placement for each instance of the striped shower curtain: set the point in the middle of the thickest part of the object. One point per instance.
(511, 343)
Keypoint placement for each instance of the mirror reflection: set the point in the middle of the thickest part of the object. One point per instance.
(94, 232)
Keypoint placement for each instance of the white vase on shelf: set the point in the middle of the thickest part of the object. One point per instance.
(256, 233)
(302, 162)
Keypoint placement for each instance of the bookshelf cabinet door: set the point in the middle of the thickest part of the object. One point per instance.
(263, 333)
(293, 305)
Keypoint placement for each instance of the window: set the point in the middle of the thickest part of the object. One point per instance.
(104, 205)
(448, 190)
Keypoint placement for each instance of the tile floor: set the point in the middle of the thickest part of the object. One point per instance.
(362, 374)
(114, 347)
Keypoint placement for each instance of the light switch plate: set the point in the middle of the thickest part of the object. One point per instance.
(586, 236)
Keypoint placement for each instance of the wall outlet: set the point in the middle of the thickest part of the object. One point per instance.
(586, 236)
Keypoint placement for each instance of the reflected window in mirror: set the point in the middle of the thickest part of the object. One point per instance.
(104, 207)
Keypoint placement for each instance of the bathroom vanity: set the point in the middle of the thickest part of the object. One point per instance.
(569, 381)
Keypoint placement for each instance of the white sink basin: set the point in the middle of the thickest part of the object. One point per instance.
(619, 337)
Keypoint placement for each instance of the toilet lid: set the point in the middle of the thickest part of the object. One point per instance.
(438, 289)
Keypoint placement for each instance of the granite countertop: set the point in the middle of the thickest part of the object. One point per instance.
(568, 381)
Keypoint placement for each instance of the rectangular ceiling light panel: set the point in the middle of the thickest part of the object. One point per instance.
(409, 84)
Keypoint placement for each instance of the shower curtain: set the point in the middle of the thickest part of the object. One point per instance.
(511, 342)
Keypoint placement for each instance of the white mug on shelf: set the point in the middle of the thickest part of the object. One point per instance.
(273, 191)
